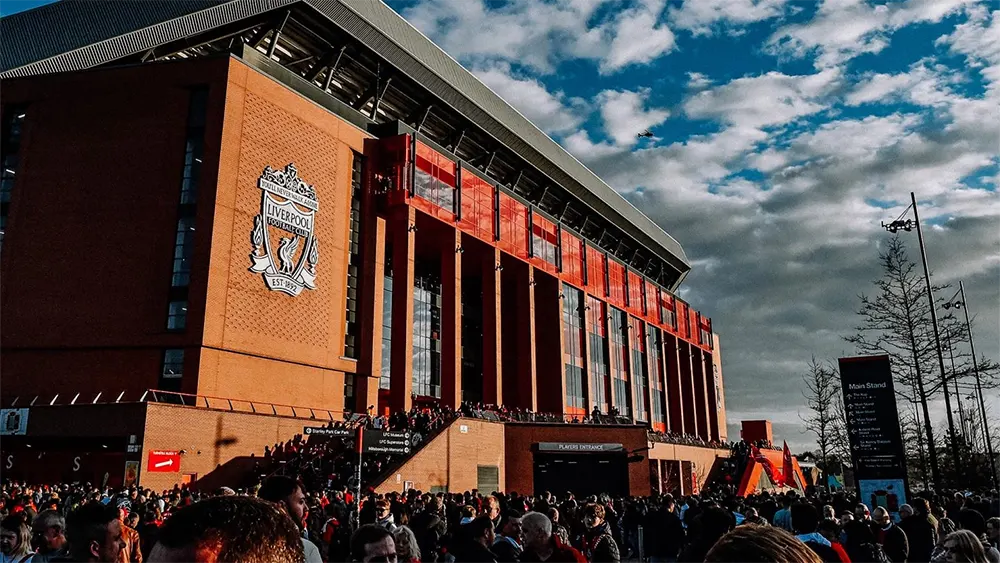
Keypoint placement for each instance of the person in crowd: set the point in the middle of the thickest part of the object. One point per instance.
(783, 518)
(541, 545)
(474, 540)
(287, 493)
(993, 531)
(558, 529)
(709, 526)
(961, 546)
(373, 544)
(15, 539)
(94, 533)
(859, 537)
(48, 535)
(805, 519)
(133, 550)
(892, 539)
(407, 550)
(492, 509)
(753, 518)
(383, 516)
(920, 529)
(430, 525)
(759, 544)
(237, 528)
(598, 543)
(666, 533)
(830, 531)
(829, 513)
(507, 545)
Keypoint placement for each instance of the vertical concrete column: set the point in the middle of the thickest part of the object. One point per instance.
(701, 391)
(687, 387)
(403, 233)
(492, 348)
(550, 387)
(451, 321)
(371, 308)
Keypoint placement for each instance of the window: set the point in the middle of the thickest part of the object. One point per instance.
(619, 361)
(544, 239)
(384, 380)
(573, 349)
(597, 334)
(427, 332)
(571, 262)
(640, 380)
(177, 315)
(596, 270)
(352, 328)
(667, 314)
(172, 370)
(434, 178)
(349, 392)
(513, 226)
(183, 245)
(616, 283)
(13, 123)
(477, 206)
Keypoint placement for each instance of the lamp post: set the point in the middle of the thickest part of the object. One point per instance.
(964, 305)
(907, 225)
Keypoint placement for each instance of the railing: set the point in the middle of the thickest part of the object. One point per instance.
(184, 399)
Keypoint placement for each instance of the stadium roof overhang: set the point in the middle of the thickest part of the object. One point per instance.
(365, 56)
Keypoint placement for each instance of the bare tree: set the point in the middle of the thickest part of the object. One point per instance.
(840, 445)
(822, 389)
(896, 322)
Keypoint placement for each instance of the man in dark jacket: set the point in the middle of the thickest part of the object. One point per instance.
(666, 535)
(599, 545)
(541, 545)
(507, 545)
(920, 530)
(473, 541)
(889, 536)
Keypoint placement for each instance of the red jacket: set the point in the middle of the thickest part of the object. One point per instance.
(840, 552)
(561, 553)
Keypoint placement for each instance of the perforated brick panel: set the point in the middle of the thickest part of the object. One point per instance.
(274, 137)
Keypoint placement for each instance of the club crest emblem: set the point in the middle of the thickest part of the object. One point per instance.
(284, 248)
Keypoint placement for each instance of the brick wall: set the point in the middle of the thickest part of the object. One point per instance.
(210, 438)
(703, 458)
(452, 459)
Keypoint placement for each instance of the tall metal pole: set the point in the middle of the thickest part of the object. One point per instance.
(958, 394)
(979, 388)
(937, 336)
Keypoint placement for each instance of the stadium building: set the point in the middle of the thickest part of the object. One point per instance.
(224, 221)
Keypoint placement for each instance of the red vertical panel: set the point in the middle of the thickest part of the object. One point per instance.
(545, 241)
(693, 323)
(652, 302)
(595, 271)
(572, 259)
(635, 301)
(520, 216)
(506, 223)
(616, 283)
(477, 207)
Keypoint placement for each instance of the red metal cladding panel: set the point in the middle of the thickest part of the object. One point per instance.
(682, 318)
(635, 300)
(616, 283)
(693, 325)
(667, 312)
(520, 215)
(572, 259)
(477, 207)
(437, 188)
(545, 241)
(652, 302)
(507, 219)
(596, 265)
(595, 317)
(393, 162)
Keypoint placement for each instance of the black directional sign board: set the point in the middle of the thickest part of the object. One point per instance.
(332, 432)
(385, 442)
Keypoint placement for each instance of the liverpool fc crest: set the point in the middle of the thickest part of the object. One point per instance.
(284, 247)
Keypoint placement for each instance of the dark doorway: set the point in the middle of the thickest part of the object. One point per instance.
(582, 473)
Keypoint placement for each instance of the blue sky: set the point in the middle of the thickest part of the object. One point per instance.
(784, 132)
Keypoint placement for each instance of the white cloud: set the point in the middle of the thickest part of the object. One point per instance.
(766, 100)
(638, 38)
(979, 40)
(698, 81)
(923, 84)
(552, 112)
(541, 34)
(702, 17)
(844, 29)
(625, 116)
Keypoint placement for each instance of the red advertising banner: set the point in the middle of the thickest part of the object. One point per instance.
(164, 461)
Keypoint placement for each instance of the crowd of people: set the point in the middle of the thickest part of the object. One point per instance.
(283, 519)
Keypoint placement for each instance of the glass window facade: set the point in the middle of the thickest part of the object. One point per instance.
(640, 378)
(434, 178)
(618, 348)
(596, 311)
(478, 206)
(427, 332)
(544, 239)
(658, 406)
(177, 315)
(573, 349)
(172, 370)
(352, 330)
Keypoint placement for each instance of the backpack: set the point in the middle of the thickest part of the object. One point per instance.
(873, 552)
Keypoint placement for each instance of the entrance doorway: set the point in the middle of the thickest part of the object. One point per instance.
(581, 473)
